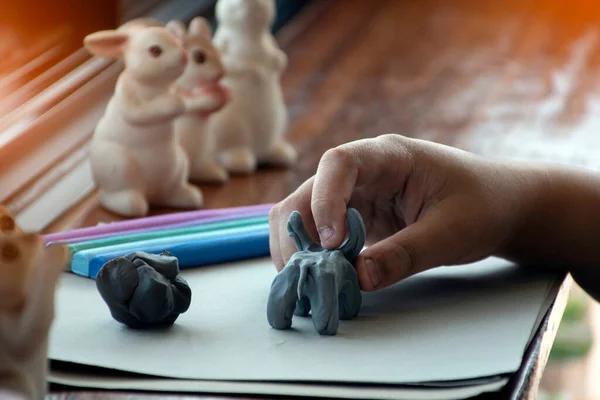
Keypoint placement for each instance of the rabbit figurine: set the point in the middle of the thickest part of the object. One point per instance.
(200, 79)
(250, 129)
(135, 158)
(29, 273)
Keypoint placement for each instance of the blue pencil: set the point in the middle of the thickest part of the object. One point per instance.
(81, 259)
(212, 249)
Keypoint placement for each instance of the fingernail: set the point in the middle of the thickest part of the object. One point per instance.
(326, 233)
(373, 272)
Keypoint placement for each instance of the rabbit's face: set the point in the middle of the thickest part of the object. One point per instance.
(246, 14)
(204, 65)
(155, 55)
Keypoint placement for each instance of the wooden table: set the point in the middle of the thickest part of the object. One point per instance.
(485, 76)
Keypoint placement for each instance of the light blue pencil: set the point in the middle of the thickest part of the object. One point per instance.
(81, 260)
(203, 252)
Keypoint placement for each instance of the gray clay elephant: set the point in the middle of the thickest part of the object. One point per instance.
(317, 280)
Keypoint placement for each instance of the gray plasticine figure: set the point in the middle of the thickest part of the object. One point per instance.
(317, 280)
(144, 290)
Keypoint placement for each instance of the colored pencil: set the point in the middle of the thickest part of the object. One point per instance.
(156, 234)
(179, 225)
(81, 260)
(203, 252)
(114, 228)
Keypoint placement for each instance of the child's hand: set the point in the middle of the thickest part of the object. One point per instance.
(424, 205)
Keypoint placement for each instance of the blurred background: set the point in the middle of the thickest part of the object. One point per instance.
(517, 79)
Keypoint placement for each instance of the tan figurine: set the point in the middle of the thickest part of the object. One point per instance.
(200, 81)
(29, 273)
(250, 129)
(135, 158)
(12, 281)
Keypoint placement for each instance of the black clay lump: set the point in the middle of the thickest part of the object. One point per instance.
(144, 290)
(317, 280)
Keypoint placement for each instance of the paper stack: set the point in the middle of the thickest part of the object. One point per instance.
(448, 333)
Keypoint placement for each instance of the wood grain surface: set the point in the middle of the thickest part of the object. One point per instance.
(516, 78)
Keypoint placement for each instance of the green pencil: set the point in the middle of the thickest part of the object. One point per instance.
(135, 237)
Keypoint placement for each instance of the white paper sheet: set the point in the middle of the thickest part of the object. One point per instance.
(274, 389)
(446, 324)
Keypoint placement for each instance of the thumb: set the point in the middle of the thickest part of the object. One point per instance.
(441, 237)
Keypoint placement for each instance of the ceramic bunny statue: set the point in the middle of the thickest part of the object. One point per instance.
(250, 129)
(135, 158)
(29, 272)
(201, 79)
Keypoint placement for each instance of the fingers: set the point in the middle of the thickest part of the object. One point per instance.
(346, 167)
(334, 183)
(444, 236)
(281, 245)
(323, 199)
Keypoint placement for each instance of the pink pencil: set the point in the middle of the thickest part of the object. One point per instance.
(191, 222)
(147, 223)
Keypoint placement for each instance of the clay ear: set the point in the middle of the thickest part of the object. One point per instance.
(110, 43)
(199, 27)
(298, 233)
(356, 239)
(177, 28)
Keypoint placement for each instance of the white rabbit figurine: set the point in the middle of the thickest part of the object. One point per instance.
(135, 158)
(251, 128)
(29, 273)
(200, 79)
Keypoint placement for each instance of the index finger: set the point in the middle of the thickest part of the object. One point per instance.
(340, 171)
(281, 245)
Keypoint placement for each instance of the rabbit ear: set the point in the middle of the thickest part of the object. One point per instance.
(199, 27)
(356, 239)
(298, 233)
(177, 28)
(110, 43)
